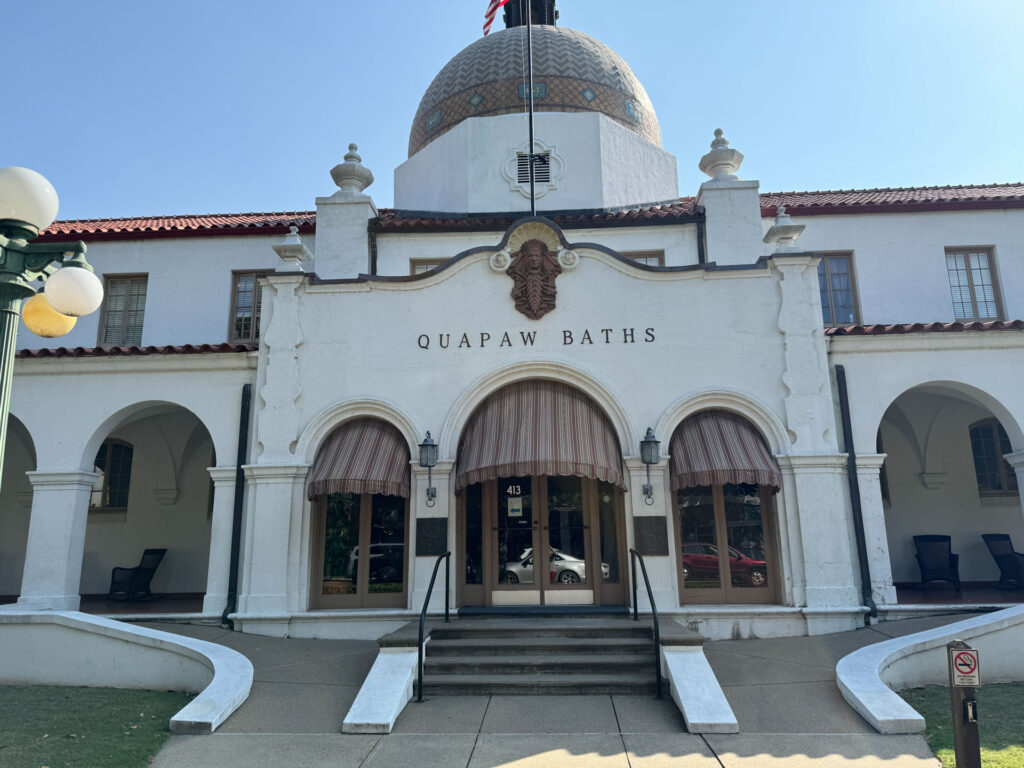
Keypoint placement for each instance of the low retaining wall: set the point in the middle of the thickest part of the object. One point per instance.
(869, 677)
(70, 648)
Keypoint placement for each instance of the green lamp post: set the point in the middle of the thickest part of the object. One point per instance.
(28, 205)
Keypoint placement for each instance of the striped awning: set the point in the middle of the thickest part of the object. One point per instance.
(538, 428)
(361, 456)
(717, 448)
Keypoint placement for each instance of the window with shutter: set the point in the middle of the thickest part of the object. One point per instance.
(245, 307)
(541, 167)
(124, 309)
(972, 284)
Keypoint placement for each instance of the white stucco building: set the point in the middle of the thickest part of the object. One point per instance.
(718, 318)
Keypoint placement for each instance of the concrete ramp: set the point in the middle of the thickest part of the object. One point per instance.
(384, 693)
(696, 691)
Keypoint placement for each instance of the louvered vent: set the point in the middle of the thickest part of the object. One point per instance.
(541, 167)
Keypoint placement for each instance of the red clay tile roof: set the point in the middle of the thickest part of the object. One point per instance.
(181, 226)
(898, 328)
(133, 351)
(851, 201)
(896, 200)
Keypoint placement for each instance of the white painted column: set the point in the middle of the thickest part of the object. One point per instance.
(826, 536)
(660, 568)
(869, 468)
(274, 497)
(420, 568)
(218, 569)
(1016, 460)
(56, 540)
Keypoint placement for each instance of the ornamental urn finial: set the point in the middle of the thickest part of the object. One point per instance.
(784, 232)
(351, 176)
(722, 162)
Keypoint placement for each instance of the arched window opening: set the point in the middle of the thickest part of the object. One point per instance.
(359, 485)
(113, 464)
(725, 480)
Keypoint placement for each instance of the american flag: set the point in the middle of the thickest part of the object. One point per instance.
(492, 8)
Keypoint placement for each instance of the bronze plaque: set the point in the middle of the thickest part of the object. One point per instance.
(431, 536)
(650, 535)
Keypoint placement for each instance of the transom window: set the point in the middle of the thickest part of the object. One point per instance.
(989, 443)
(419, 266)
(114, 466)
(972, 284)
(650, 258)
(835, 282)
(245, 307)
(124, 308)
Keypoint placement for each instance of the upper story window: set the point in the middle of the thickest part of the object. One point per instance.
(650, 258)
(419, 266)
(245, 307)
(838, 296)
(124, 307)
(989, 443)
(972, 284)
(114, 465)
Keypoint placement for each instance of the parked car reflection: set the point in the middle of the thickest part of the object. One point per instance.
(700, 562)
(565, 569)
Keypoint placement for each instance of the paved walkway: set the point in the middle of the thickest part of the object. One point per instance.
(783, 692)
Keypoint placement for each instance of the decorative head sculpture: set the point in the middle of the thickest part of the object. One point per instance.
(533, 269)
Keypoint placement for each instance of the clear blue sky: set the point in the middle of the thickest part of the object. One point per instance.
(145, 108)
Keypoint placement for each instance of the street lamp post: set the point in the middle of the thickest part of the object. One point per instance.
(28, 205)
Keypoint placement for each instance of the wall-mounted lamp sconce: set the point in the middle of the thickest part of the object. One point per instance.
(649, 454)
(428, 459)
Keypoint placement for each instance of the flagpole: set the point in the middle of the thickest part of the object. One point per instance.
(529, 56)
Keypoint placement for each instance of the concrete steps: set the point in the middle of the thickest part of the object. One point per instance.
(540, 655)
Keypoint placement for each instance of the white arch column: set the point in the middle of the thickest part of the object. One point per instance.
(218, 570)
(869, 469)
(1016, 460)
(824, 539)
(56, 540)
(271, 541)
(421, 566)
(660, 568)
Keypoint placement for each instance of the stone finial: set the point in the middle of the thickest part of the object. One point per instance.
(722, 162)
(351, 176)
(292, 250)
(784, 232)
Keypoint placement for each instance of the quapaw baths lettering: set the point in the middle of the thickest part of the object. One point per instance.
(483, 339)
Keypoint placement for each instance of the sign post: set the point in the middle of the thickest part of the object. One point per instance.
(964, 679)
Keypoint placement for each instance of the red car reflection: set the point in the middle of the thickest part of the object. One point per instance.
(700, 561)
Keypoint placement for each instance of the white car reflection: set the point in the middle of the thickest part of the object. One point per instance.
(565, 569)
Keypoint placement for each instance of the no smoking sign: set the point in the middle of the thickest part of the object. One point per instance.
(964, 665)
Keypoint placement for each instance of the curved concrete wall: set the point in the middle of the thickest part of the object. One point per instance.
(869, 677)
(39, 648)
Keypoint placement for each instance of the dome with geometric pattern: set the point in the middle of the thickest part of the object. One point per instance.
(572, 72)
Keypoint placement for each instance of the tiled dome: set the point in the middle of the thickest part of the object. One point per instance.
(572, 72)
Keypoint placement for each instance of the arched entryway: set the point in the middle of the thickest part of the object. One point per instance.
(725, 481)
(154, 491)
(359, 489)
(945, 475)
(15, 508)
(540, 506)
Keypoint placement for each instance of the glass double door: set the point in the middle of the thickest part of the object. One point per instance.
(542, 540)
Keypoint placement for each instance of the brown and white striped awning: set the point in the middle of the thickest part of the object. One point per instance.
(538, 428)
(717, 448)
(361, 456)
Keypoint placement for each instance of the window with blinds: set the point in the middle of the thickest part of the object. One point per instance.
(245, 307)
(124, 308)
(972, 284)
(113, 464)
(541, 167)
(835, 283)
(989, 443)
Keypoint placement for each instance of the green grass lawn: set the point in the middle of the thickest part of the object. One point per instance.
(1000, 723)
(60, 727)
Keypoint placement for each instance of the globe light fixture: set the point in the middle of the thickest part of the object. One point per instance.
(28, 205)
(43, 320)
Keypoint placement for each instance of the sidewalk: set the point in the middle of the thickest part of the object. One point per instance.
(782, 690)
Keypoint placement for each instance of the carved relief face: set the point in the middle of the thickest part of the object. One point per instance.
(534, 269)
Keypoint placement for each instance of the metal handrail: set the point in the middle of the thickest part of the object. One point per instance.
(634, 556)
(423, 614)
